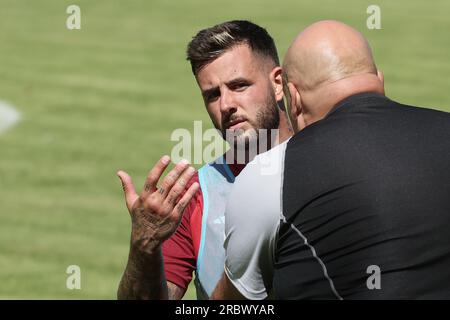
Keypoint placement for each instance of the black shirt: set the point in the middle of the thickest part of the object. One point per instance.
(367, 187)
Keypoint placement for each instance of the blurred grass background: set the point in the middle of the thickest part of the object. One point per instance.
(108, 96)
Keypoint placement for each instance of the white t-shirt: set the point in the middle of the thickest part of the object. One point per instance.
(252, 219)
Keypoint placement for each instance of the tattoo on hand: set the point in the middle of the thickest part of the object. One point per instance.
(180, 207)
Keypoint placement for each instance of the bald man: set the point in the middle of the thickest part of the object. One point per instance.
(359, 207)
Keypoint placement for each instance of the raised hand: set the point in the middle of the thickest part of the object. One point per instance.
(156, 212)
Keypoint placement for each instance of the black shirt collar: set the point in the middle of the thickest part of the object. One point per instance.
(364, 98)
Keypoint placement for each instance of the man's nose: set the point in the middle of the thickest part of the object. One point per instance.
(227, 102)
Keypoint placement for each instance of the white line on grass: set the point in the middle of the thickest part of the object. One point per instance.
(9, 116)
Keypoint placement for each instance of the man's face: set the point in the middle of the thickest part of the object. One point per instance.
(239, 94)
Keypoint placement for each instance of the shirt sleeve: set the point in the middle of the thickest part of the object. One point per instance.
(179, 250)
(251, 225)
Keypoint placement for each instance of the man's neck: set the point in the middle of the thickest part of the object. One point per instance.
(239, 157)
(285, 130)
(330, 95)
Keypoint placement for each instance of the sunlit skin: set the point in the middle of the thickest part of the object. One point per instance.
(327, 62)
(240, 90)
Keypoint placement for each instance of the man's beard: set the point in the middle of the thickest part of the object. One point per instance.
(267, 118)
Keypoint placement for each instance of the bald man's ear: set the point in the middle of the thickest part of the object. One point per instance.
(296, 101)
(295, 110)
(277, 83)
(380, 76)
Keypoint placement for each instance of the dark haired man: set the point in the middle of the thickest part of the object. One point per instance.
(237, 69)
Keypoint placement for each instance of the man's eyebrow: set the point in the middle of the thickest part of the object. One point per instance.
(237, 81)
(209, 91)
(231, 83)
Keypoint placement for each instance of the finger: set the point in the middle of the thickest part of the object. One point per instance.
(184, 201)
(178, 188)
(128, 189)
(172, 177)
(154, 175)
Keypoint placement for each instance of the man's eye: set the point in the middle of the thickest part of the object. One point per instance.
(240, 86)
(211, 97)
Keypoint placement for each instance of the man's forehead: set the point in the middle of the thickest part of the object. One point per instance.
(235, 63)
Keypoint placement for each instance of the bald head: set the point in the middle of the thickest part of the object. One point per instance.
(327, 60)
(325, 52)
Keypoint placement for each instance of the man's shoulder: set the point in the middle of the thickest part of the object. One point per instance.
(429, 114)
(368, 116)
(257, 189)
(268, 163)
(225, 169)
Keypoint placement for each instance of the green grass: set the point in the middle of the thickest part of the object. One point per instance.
(108, 97)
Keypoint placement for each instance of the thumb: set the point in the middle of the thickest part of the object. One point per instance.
(128, 188)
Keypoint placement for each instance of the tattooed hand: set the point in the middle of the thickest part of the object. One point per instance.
(156, 212)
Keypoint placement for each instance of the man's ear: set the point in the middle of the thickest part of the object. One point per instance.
(295, 102)
(277, 82)
(295, 109)
(380, 76)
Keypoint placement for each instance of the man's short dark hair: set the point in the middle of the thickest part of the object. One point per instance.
(208, 44)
